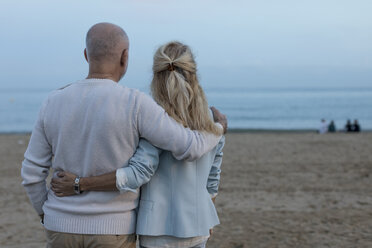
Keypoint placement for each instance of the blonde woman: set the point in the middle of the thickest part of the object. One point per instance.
(176, 206)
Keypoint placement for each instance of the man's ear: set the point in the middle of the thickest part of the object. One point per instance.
(86, 55)
(124, 58)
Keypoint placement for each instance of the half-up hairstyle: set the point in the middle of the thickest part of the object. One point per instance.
(176, 88)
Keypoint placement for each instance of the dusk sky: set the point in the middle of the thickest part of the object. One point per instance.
(256, 43)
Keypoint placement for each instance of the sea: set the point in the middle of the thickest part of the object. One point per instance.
(245, 107)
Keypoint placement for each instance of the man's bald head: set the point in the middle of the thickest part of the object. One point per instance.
(105, 42)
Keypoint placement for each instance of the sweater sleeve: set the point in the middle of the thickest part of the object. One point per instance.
(141, 167)
(36, 164)
(214, 174)
(155, 125)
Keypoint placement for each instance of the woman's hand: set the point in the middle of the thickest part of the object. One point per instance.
(63, 185)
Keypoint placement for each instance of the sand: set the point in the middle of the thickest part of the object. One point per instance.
(277, 190)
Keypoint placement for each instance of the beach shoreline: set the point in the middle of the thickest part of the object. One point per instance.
(278, 189)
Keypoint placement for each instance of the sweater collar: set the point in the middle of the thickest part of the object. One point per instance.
(96, 80)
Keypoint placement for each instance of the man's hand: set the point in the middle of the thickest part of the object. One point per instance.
(63, 185)
(220, 118)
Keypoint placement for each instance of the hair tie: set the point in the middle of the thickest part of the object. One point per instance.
(170, 66)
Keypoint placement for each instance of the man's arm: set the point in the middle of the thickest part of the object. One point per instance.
(35, 166)
(63, 185)
(155, 125)
(141, 167)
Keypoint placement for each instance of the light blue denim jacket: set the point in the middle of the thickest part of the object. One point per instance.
(177, 199)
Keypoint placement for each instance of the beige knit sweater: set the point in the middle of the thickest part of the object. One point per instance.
(93, 127)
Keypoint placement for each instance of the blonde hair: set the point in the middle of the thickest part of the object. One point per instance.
(176, 88)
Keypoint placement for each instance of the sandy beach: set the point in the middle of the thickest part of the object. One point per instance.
(278, 189)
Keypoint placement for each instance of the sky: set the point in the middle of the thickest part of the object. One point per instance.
(262, 43)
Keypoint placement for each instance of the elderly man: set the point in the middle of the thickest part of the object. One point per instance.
(92, 127)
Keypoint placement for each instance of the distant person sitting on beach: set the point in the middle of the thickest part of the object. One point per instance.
(332, 127)
(356, 126)
(323, 126)
(348, 126)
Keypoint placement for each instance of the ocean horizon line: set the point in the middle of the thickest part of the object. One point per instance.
(206, 85)
(232, 130)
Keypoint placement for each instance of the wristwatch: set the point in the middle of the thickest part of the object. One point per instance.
(77, 186)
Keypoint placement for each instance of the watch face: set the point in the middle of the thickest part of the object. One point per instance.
(77, 186)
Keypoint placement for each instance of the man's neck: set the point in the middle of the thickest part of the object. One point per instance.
(103, 76)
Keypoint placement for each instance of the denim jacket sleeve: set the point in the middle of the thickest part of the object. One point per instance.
(214, 175)
(141, 167)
